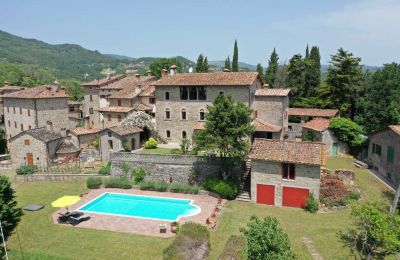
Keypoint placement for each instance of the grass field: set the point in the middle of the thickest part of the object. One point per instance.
(38, 238)
(158, 150)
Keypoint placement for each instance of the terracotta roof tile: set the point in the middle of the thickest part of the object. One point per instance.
(148, 91)
(103, 81)
(38, 92)
(116, 109)
(317, 124)
(312, 112)
(129, 81)
(288, 151)
(124, 129)
(209, 79)
(84, 131)
(395, 128)
(131, 91)
(280, 92)
(264, 126)
(11, 88)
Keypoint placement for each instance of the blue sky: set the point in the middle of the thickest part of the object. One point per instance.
(368, 28)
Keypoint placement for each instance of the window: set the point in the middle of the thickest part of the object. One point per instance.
(109, 133)
(168, 134)
(183, 114)
(221, 93)
(29, 127)
(167, 114)
(376, 149)
(110, 144)
(119, 102)
(152, 100)
(90, 97)
(166, 95)
(9, 123)
(29, 112)
(26, 142)
(14, 110)
(71, 109)
(288, 171)
(22, 127)
(15, 124)
(390, 154)
(109, 117)
(202, 92)
(91, 110)
(8, 109)
(202, 115)
(184, 135)
(20, 110)
(193, 93)
(119, 118)
(184, 93)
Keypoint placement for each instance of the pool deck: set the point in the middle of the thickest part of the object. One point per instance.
(149, 227)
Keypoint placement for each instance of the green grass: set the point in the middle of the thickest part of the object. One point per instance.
(157, 151)
(41, 239)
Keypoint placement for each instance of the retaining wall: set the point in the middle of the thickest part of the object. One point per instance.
(53, 177)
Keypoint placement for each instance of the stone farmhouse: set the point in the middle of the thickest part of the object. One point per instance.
(6, 89)
(32, 108)
(318, 131)
(384, 153)
(75, 113)
(285, 173)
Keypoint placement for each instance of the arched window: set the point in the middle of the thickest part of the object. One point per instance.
(168, 134)
(166, 95)
(202, 115)
(167, 113)
(184, 135)
(183, 112)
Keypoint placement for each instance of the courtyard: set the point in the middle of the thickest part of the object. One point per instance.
(37, 237)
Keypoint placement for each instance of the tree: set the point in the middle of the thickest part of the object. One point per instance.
(307, 52)
(164, 63)
(235, 58)
(379, 105)
(376, 233)
(295, 77)
(281, 76)
(270, 73)
(74, 89)
(199, 64)
(10, 214)
(227, 128)
(205, 65)
(344, 79)
(260, 70)
(312, 72)
(266, 240)
(228, 64)
(347, 131)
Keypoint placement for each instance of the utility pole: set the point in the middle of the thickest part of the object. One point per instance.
(4, 240)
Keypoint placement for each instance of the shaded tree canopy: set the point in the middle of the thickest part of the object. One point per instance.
(270, 73)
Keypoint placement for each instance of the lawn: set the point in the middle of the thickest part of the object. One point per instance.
(39, 238)
(158, 150)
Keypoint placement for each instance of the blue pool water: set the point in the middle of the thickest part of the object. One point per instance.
(141, 206)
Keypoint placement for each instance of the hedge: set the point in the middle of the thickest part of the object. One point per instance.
(227, 189)
(121, 183)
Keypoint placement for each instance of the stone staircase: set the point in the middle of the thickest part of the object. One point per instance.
(245, 181)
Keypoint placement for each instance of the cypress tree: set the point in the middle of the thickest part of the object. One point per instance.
(199, 64)
(270, 73)
(260, 70)
(235, 59)
(228, 64)
(295, 77)
(307, 52)
(205, 66)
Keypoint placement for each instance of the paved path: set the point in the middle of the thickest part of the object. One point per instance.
(310, 246)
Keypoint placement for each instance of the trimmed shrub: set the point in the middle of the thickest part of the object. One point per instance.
(27, 169)
(154, 185)
(235, 248)
(192, 242)
(105, 169)
(138, 175)
(151, 143)
(184, 188)
(227, 189)
(176, 151)
(121, 183)
(93, 182)
(312, 204)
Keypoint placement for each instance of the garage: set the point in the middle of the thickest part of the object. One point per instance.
(294, 197)
(266, 194)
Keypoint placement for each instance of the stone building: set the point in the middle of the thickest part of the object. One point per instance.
(6, 89)
(84, 136)
(384, 153)
(182, 99)
(284, 173)
(317, 130)
(297, 117)
(112, 140)
(32, 108)
(75, 113)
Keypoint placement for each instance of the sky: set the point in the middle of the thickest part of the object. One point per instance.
(369, 29)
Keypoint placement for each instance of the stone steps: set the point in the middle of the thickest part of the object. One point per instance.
(244, 194)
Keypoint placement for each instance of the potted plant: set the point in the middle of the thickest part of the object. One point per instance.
(174, 227)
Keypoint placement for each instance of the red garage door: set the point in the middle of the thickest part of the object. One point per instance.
(295, 197)
(266, 194)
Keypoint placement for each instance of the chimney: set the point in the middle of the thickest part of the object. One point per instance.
(5, 83)
(149, 73)
(172, 70)
(56, 86)
(266, 85)
(164, 73)
(86, 122)
(137, 76)
(226, 70)
(63, 132)
(49, 126)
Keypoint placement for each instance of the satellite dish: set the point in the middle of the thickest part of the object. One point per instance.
(190, 69)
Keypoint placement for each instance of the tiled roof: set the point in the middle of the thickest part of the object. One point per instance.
(67, 147)
(280, 92)
(122, 130)
(10, 88)
(84, 131)
(209, 79)
(147, 91)
(199, 126)
(288, 151)
(312, 112)
(317, 124)
(116, 109)
(128, 81)
(142, 107)
(126, 93)
(264, 126)
(41, 134)
(395, 128)
(103, 81)
(38, 92)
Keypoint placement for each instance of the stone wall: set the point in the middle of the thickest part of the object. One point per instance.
(54, 110)
(270, 173)
(272, 109)
(106, 136)
(54, 177)
(94, 104)
(163, 167)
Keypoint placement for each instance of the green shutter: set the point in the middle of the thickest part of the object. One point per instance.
(390, 154)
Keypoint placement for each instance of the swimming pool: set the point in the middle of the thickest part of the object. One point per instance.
(139, 206)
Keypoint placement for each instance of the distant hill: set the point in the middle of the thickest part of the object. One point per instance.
(242, 65)
(325, 67)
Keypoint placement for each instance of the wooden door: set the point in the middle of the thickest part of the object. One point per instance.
(29, 159)
(294, 197)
